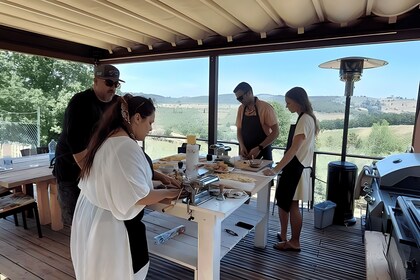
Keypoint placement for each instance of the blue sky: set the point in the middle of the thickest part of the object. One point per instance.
(277, 72)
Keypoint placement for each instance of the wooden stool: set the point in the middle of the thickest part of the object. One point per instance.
(15, 203)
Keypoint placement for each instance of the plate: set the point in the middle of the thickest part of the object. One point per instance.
(230, 169)
(218, 167)
(235, 193)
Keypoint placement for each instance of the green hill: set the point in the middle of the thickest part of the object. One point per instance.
(324, 104)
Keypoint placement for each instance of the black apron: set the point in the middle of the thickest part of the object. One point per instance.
(136, 231)
(290, 176)
(291, 134)
(253, 134)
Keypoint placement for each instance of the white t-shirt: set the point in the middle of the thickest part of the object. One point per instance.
(120, 176)
(306, 126)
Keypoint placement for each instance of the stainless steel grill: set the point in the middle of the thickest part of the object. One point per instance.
(391, 188)
(403, 253)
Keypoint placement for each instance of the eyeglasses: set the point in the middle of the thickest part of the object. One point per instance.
(240, 98)
(111, 83)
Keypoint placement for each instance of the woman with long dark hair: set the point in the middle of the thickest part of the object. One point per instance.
(295, 181)
(108, 238)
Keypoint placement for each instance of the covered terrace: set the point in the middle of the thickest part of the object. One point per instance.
(114, 31)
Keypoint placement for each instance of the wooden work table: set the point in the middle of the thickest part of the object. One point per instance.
(35, 170)
(205, 240)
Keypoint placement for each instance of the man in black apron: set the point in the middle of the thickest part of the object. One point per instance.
(257, 125)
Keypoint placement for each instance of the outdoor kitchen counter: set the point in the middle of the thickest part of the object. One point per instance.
(205, 240)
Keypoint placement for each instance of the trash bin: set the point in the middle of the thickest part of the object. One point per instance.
(324, 214)
(341, 182)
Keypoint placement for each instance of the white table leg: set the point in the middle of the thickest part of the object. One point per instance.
(209, 240)
(263, 205)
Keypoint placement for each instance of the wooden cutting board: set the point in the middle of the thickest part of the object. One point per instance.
(244, 165)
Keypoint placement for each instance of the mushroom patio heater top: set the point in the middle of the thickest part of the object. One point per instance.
(341, 178)
(351, 69)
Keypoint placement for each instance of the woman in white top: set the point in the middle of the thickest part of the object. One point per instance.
(108, 238)
(295, 181)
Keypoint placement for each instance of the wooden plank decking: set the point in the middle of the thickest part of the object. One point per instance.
(335, 252)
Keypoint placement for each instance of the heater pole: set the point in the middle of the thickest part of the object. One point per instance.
(348, 93)
(345, 129)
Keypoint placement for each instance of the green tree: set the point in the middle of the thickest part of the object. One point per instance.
(381, 141)
(354, 140)
(52, 76)
(167, 131)
(283, 117)
(6, 70)
(30, 82)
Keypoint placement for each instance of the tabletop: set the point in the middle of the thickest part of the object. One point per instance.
(25, 170)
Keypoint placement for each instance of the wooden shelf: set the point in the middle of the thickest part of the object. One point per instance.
(182, 249)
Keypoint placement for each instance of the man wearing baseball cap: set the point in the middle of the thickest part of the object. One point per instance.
(80, 119)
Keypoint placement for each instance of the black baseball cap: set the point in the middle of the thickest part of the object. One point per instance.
(107, 71)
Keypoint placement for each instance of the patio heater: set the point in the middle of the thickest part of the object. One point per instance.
(341, 178)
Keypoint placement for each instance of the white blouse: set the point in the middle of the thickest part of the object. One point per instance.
(120, 176)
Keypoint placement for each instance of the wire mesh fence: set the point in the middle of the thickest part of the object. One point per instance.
(18, 131)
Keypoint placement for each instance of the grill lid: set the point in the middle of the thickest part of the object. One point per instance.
(395, 169)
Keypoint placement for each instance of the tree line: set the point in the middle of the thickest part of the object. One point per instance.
(368, 120)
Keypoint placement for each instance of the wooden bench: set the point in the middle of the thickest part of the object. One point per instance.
(15, 203)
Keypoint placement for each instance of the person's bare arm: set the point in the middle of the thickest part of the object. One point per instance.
(242, 149)
(165, 179)
(80, 158)
(272, 136)
(156, 196)
(267, 141)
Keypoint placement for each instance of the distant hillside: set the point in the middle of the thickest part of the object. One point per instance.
(325, 104)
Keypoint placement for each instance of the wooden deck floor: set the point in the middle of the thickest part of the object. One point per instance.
(336, 252)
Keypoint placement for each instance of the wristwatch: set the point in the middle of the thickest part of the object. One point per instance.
(260, 147)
